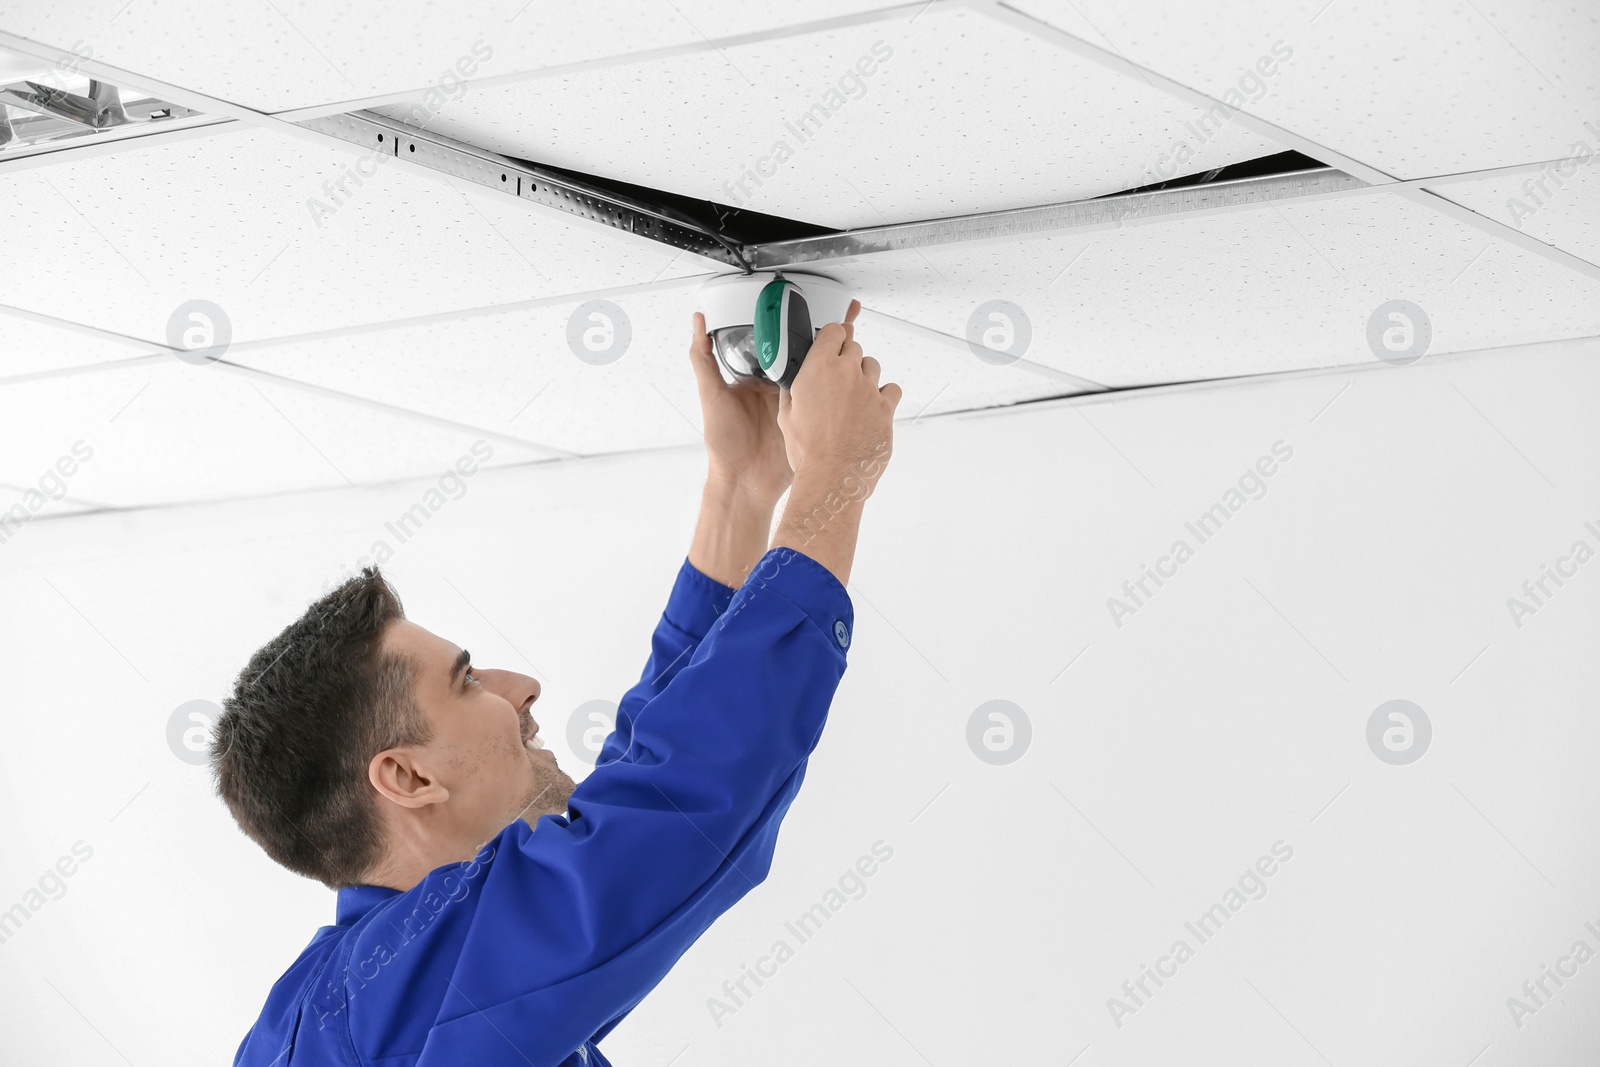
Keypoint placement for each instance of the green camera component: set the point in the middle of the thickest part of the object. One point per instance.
(769, 325)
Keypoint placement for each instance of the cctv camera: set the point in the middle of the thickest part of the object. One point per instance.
(762, 324)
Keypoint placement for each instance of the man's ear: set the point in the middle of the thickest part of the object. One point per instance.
(397, 775)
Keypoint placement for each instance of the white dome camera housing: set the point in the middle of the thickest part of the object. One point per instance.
(789, 314)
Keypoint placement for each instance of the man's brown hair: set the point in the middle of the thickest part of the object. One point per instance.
(308, 712)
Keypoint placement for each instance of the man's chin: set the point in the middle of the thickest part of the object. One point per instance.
(550, 799)
(565, 787)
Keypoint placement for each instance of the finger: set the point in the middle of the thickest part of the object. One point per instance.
(829, 340)
(851, 351)
(700, 354)
(894, 397)
(871, 369)
(850, 320)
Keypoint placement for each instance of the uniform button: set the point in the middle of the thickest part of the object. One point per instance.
(841, 633)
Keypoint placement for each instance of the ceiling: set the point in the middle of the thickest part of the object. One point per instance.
(418, 313)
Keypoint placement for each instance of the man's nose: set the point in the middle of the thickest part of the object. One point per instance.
(526, 690)
(518, 690)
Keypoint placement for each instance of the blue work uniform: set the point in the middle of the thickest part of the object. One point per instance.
(531, 952)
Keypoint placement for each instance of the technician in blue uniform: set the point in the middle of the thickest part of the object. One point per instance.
(489, 911)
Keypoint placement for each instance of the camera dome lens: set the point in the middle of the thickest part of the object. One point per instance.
(735, 347)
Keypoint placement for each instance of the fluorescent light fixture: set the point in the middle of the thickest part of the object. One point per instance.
(15, 68)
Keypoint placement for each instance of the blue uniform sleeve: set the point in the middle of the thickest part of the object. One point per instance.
(556, 933)
(693, 605)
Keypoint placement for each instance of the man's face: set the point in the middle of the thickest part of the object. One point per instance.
(481, 720)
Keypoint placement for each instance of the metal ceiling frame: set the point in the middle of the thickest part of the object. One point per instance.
(334, 125)
(430, 151)
(433, 152)
(551, 189)
(436, 152)
(642, 222)
(1100, 213)
(662, 225)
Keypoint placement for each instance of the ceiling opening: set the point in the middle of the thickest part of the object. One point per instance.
(745, 227)
(1261, 167)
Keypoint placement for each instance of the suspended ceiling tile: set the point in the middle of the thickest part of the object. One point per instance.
(228, 219)
(942, 374)
(517, 374)
(949, 113)
(171, 431)
(1413, 89)
(287, 54)
(1246, 292)
(1559, 209)
(28, 346)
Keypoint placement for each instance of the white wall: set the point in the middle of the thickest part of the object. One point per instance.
(1223, 717)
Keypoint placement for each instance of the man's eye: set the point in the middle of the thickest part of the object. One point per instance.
(472, 678)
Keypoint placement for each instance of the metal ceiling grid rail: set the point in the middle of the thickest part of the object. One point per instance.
(531, 182)
(1076, 215)
(446, 155)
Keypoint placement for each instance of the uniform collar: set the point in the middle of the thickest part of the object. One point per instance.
(355, 901)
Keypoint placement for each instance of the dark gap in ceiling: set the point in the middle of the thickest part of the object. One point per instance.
(1264, 166)
(739, 225)
(746, 227)
(1111, 390)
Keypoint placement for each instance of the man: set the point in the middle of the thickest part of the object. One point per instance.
(489, 911)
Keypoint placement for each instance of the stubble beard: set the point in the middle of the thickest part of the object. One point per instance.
(550, 791)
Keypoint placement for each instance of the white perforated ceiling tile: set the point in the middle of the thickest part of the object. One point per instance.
(170, 431)
(288, 54)
(28, 346)
(886, 121)
(1247, 292)
(1561, 209)
(1414, 89)
(518, 374)
(229, 219)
